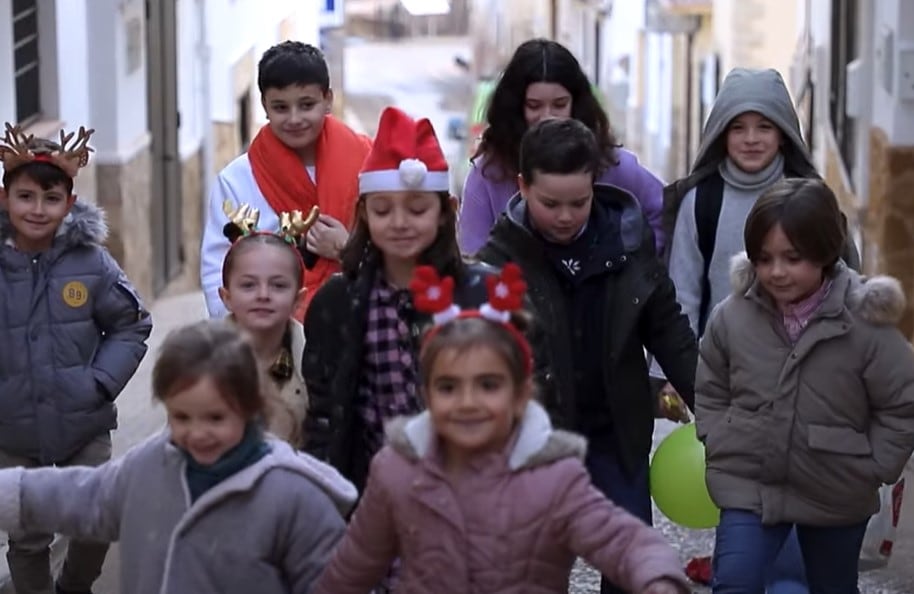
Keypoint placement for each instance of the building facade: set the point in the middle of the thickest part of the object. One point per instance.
(170, 88)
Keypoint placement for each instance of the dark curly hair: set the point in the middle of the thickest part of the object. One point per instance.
(292, 63)
(538, 60)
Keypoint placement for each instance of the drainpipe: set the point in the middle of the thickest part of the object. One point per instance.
(204, 56)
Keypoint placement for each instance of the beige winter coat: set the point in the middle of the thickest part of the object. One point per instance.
(806, 433)
(287, 413)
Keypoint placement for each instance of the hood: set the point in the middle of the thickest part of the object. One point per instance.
(84, 225)
(762, 91)
(537, 443)
(879, 300)
(605, 196)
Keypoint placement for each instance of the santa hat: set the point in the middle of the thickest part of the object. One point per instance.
(405, 156)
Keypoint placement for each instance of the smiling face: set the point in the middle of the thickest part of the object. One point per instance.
(546, 100)
(752, 141)
(296, 114)
(264, 285)
(202, 422)
(402, 225)
(558, 204)
(783, 272)
(35, 213)
(473, 401)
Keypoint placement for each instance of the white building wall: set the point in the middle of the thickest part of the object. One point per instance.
(7, 90)
(892, 112)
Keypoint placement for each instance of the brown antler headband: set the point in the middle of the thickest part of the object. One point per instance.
(17, 149)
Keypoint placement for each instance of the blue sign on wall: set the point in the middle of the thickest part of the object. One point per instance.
(329, 5)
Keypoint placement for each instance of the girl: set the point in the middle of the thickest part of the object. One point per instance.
(262, 279)
(543, 80)
(479, 493)
(178, 502)
(360, 357)
(804, 396)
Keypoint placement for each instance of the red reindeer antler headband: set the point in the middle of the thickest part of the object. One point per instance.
(435, 296)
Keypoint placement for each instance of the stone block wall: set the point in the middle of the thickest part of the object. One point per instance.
(192, 204)
(890, 216)
(123, 190)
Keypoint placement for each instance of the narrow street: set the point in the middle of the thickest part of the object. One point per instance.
(421, 77)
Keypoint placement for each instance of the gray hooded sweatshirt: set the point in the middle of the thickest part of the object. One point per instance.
(744, 90)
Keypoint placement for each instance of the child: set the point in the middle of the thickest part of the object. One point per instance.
(261, 285)
(209, 505)
(478, 493)
(805, 396)
(543, 80)
(303, 157)
(752, 139)
(602, 296)
(360, 356)
(74, 331)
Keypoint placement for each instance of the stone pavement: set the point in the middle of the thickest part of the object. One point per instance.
(138, 416)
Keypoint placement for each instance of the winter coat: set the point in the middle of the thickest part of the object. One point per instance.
(270, 528)
(288, 414)
(514, 523)
(333, 356)
(75, 331)
(806, 433)
(640, 312)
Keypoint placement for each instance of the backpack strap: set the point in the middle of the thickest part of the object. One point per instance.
(709, 195)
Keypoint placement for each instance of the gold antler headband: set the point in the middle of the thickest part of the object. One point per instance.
(292, 225)
(17, 149)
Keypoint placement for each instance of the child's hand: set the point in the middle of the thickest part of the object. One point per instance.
(672, 406)
(327, 237)
(664, 586)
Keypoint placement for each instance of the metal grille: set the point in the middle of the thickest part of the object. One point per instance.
(25, 60)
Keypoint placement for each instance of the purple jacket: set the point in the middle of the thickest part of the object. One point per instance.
(484, 200)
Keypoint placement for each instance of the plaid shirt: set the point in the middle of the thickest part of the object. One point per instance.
(389, 383)
(796, 316)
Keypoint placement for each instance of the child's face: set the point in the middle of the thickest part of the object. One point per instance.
(783, 273)
(403, 224)
(202, 423)
(558, 204)
(263, 289)
(296, 113)
(35, 213)
(546, 100)
(752, 141)
(473, 401)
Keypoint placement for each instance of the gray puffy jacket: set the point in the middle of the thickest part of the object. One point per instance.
(73, 331)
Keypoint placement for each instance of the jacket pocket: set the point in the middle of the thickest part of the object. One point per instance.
(839, 440)
(735, 441)
(838, 467)
(79, 390)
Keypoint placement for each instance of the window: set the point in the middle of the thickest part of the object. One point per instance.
(25, 60)
(844, 18)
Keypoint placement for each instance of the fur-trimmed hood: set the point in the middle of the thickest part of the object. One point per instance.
(536, 443)
(878, 299)
(85, 225)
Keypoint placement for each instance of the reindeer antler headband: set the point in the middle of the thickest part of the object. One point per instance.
(434, 295)
(293, 226)
(17, 149)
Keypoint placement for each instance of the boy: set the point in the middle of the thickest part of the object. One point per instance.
(602, 297)
(73, 330)
(302, 157)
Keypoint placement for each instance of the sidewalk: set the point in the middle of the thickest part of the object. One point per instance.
(138, 416)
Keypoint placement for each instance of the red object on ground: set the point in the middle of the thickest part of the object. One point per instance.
(698, 570)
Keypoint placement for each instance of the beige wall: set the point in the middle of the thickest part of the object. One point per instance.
(756, 33)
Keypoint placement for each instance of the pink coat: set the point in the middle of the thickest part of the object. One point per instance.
(513, 525)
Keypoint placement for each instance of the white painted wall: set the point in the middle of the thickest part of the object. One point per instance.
(72, 52)
(892, 114)
(7, 90)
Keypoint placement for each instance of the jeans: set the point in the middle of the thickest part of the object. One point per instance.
(745, 551)
(632, 493)
(788, 575)
(29, 554)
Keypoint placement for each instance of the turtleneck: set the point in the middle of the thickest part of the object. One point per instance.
(758, 180)
(202, 477)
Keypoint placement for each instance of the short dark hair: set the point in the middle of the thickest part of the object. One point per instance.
(214, 349)
(443, 254)
(46, 175)
(292, 63)
(539, 60)
(809, 215)
(559, 146)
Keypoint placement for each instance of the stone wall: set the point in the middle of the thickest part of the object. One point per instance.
(890, 216)
(192, 203)
(123, 190)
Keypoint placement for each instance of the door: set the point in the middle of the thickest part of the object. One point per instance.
(164, 122)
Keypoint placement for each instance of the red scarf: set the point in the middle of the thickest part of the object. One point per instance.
(286, 185)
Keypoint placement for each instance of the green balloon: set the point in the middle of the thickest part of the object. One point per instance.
(678, 480)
